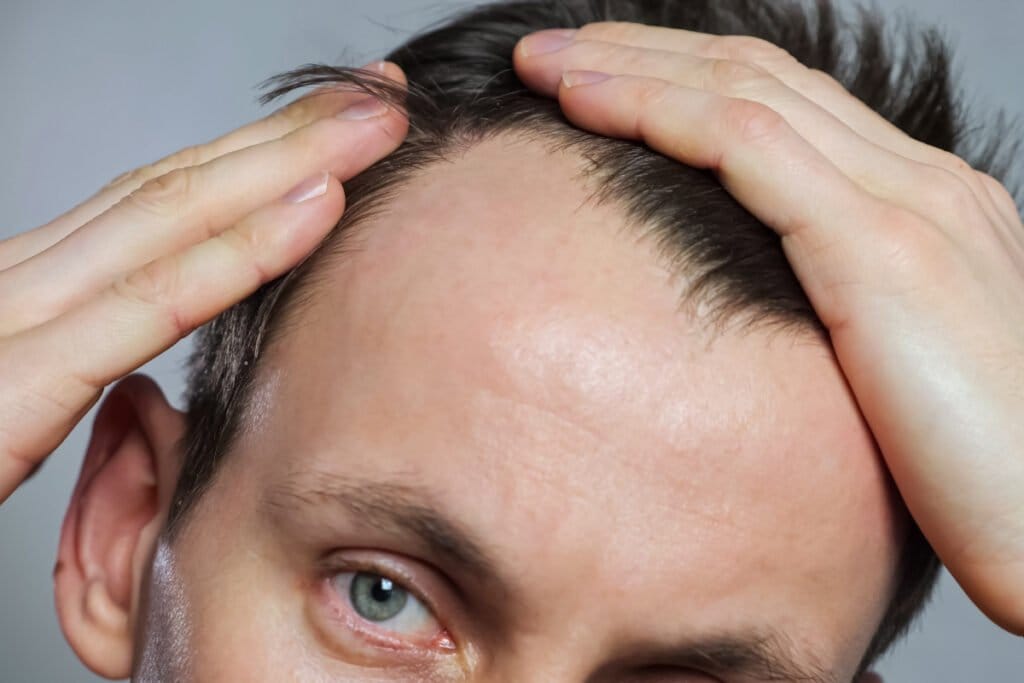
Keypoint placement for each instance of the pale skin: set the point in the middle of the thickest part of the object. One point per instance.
(913, 261)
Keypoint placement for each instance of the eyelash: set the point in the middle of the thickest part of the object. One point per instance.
(340, 610)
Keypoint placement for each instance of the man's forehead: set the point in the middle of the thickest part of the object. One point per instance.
(525, 306)
(516, 327)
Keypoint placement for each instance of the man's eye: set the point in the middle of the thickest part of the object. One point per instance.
(376, 598)
(386, 604)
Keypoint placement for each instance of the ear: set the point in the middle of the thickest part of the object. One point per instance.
(116, 512)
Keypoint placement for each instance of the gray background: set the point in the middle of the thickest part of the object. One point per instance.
(95, 88)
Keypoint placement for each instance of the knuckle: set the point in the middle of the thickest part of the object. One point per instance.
(132, 178)
(1000, 195)
(948, 193)
(189, 156)
(651, 95)
(904, 236)
(749, 49)
(960, 192)
(245, 242)
(822, 79)
(952, 163)
(610, 30)
(728, 76)
(164, 194)
(900, 221)
(120, 178)
(192, 155)
(250, 245)
(915, 252)
(630, 59)
(753, 123)
(154, 286)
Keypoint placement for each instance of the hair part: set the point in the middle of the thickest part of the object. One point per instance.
(463, 90)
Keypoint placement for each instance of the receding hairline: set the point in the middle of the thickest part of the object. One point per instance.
(314, 277)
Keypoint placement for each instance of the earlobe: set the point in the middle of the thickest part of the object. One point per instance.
(112, 523)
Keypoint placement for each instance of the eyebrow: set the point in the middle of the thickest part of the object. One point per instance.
(764, 654)
(409, 511)
(393, 508)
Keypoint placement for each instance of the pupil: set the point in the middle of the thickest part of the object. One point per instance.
(382, 590)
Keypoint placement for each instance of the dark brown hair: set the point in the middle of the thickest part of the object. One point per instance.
(463, 89)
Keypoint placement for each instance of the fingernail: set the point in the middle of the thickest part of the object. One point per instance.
(309, 188)
(544, 42)
(573, 78)
(364, 109)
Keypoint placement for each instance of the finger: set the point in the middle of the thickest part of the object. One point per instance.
(852, 153)
(924, 189)
(815, 85)
(188, 205)
(761, 160)
(62, 366)
(320, 103)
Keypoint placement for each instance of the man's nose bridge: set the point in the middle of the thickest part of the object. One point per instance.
(561, 647)
(569, 623)
(557, 664)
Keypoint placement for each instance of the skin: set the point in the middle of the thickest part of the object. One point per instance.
(910, 258)
(530, 385)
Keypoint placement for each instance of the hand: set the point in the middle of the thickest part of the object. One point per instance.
(912, 260)
(117, 280)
